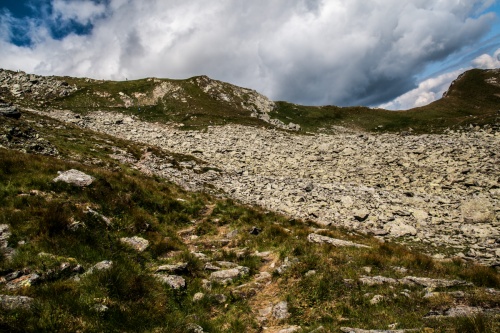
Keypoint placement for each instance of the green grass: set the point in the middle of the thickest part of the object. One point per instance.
(39, 212)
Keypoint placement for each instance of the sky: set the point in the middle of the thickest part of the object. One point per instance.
(381, 53)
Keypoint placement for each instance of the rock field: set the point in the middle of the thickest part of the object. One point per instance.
(435, 191)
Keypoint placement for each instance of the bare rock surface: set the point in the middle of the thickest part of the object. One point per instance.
(436, 190)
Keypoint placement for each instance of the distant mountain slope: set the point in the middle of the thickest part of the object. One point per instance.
(473, 99)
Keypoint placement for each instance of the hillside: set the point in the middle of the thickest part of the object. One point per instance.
(157, 220)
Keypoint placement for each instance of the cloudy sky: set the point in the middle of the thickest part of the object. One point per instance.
(390, 53)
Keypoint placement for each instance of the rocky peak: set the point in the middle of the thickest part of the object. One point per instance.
(250, 100)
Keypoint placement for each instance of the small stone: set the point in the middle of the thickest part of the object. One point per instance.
(290, 329)
(175, 268)
(376, 299)
(137, 243)
(228, 275)
(310, 273)
(100, 308)
(376, 280)
(361, 214)
(103, 265)
(220, 298)
(193, 328)
(198, 297)
(174, 281)
(309, 187)
(265, 312)
(255, 231)
(280, 311)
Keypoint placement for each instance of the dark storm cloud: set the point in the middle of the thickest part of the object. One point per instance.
(344, 52)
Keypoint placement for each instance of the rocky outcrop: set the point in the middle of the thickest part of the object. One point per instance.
(259, 105)
(35, 87)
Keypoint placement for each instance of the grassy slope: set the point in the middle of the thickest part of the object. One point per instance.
(199, 109)
(150, 207)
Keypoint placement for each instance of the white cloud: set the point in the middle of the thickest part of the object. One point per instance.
(82, 11)
(427, 91)
(485, 61)
(307, 51)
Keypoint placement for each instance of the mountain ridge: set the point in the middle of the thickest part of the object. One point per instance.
(200, 101)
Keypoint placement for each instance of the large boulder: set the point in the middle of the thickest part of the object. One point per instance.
(8, 302)
(9, 111)
(315, 238)
(280, 311)
(398, 228)
(477, 210)
(74, 177)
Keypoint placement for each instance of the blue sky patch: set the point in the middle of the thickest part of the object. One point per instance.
(26, 15)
